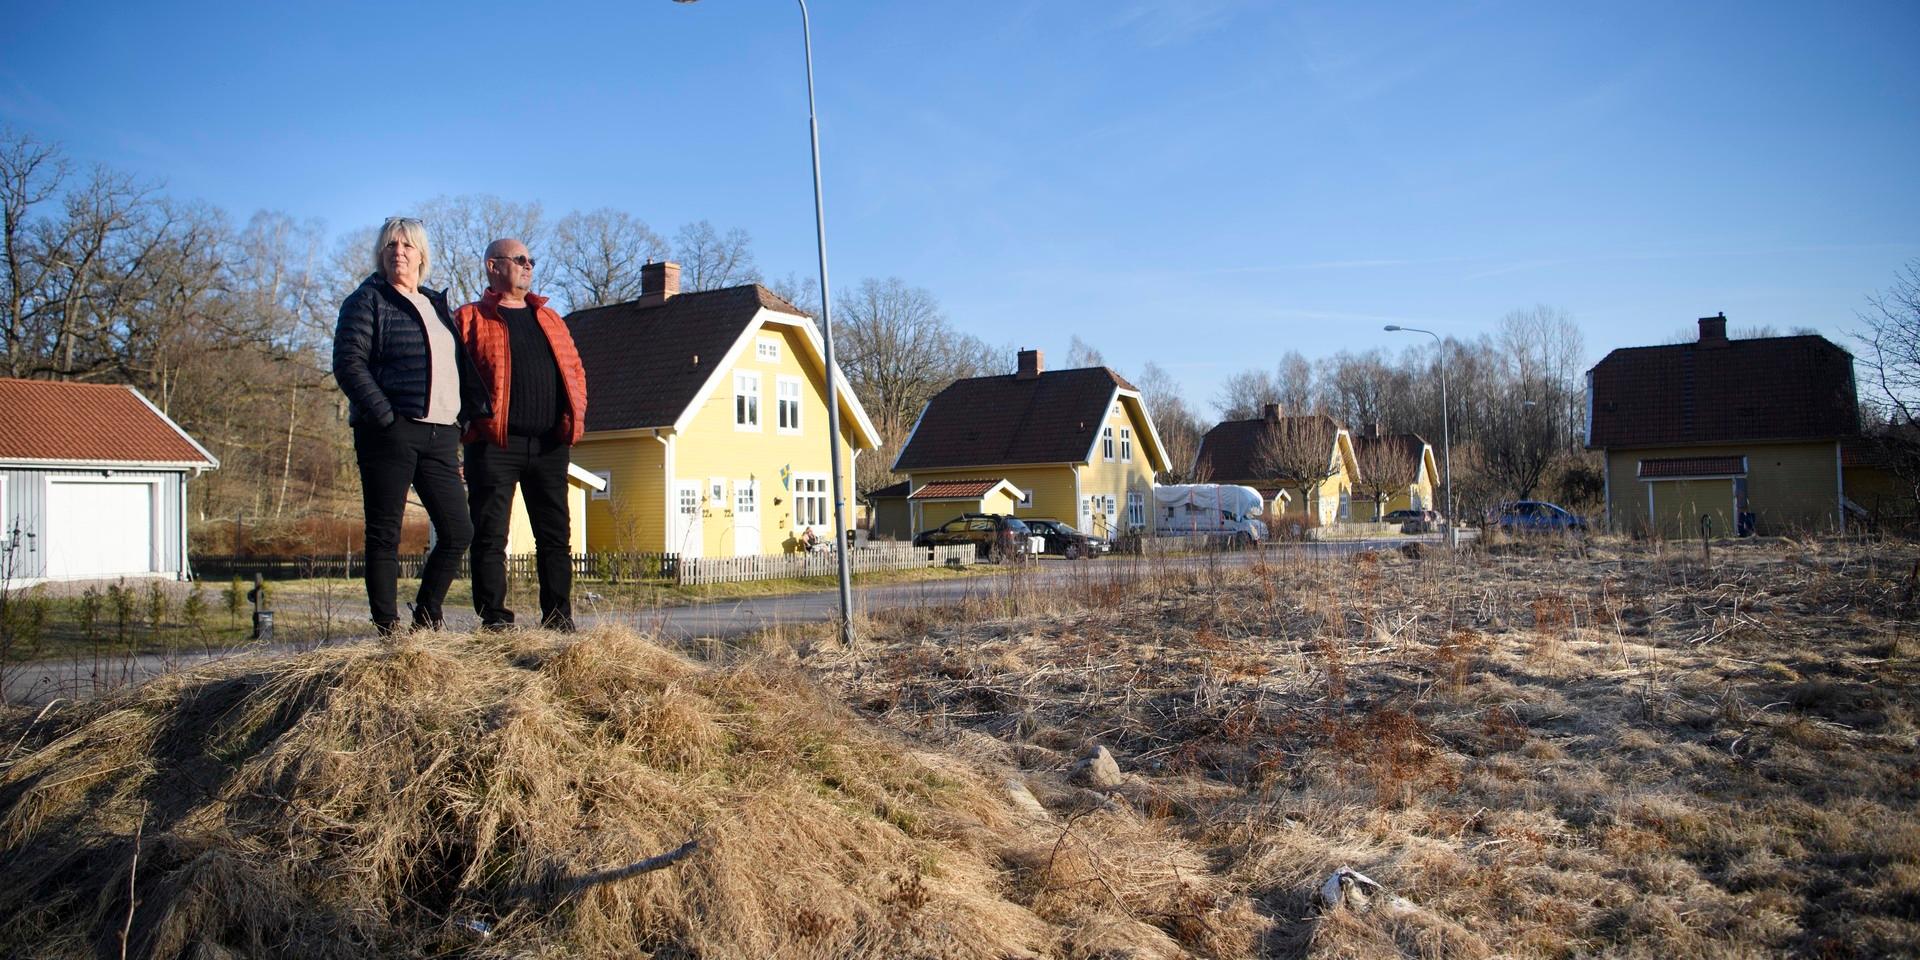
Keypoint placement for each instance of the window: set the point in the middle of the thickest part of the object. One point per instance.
(766, 349)
(788, 404)
(1026, 499)
(1106, 442)
(1111, 508)
(717, 492)
(809, 501)
(1136, 510)
(605, 492)
(746, 401)
(1126, 444)
(743, 499)
(689, 500)
(1116, 408)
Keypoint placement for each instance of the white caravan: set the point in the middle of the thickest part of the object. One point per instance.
(1209, 508)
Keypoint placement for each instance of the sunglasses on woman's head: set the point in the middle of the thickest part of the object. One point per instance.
(404, 221)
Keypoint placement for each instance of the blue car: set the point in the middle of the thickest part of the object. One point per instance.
(1536, 516)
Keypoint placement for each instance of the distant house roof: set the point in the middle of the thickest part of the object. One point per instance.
(1717, 390)
(1408, 444)
(84, 423)
(645, 364)
(1230, 452)
(1674, 467)
(960, 489)
(892, 491)
(992, 421)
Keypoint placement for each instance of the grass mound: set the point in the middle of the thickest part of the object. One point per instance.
(482, 797)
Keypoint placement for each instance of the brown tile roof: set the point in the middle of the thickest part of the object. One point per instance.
(1692, 467)
(1230, 451)
(954, 490)
(990, 421)
(1768, 388)
(646, 363)
(89, 423)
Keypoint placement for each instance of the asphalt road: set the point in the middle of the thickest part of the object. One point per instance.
(39, 682)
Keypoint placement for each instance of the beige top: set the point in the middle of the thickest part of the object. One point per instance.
(443, 390)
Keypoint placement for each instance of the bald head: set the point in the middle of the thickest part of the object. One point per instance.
(509, 269)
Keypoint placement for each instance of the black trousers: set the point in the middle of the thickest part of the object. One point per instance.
(538, 465)
(423, 456)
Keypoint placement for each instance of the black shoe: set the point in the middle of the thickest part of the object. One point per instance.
(496, 626)
(422, 620)
(559, 623)
(387, 629)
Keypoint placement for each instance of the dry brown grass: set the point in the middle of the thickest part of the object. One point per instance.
(380, 802)
(1553, 750)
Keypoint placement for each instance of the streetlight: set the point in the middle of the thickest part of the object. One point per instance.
(826, 334)
(1446, 437)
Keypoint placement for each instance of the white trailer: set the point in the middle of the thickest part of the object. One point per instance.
(1182, 509)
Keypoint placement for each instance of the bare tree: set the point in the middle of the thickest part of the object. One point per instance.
(1892, 338)
(460, 227)
(1180, 431)
(709, 261)
(1082, 354)
(1243, 395)
(596, 257)
(1293, 382)
(1299, 453)
(1387, 466)
(31, 172)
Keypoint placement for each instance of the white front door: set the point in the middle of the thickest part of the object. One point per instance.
(746, 518)
(99, 529)
(687, 535)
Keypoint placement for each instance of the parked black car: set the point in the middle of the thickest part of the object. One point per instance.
(1066, 541)
(1414, 521)
(995, 537)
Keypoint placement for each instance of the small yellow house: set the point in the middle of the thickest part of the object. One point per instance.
(933, 504)
(1278, 456)
(1076, 445)
(708, 422)
(579, 484)
(1382, 456)
(1746, 433)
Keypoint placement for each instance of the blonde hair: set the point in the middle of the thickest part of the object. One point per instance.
(416, 234)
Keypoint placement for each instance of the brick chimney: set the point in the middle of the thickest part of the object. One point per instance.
(1713, 330)
(1031, 363)
(658, 282)
(1270, 412)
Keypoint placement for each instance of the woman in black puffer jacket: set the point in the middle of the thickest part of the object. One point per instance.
(410, 387)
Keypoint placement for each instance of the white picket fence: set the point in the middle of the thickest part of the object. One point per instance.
(866, 559)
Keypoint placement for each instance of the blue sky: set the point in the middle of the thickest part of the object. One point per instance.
(1197, 183)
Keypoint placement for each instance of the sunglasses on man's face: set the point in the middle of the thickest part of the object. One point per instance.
(522, 260)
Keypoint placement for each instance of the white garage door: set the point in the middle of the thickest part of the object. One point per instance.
(99, 529)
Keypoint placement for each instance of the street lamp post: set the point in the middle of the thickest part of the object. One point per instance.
(1446, 435)
(840, 545)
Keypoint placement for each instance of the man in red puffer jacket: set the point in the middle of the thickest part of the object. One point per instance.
(538, 387)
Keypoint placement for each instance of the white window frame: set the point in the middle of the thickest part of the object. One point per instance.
(746, 401)
(717, 492)
(1106, 443)
(1026, 499)
(810, 490)
(747, 493)
(606, 487)
(1112, 511)
(766, 349)
(1126, 444)
(781, 403)
(1136, 509)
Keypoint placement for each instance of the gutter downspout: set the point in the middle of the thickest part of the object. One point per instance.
(1840, 487)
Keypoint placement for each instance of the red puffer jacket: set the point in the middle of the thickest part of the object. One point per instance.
(485, 335)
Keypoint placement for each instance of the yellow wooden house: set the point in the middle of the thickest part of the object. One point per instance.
(580, 484)
(708, 422)
(1246, 452)
(1733, 435)
(1371, 445)
(1077, 445)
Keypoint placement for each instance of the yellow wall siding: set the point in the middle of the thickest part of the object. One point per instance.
(1791, 487)
(1051, 486)
(1115, 478)
(712, 448)
(633, 515)
(1881, 493)
(520, 529)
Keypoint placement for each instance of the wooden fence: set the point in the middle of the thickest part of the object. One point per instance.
(604, 567)
(707, 570)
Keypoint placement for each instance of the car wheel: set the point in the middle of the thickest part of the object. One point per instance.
(1073, 552)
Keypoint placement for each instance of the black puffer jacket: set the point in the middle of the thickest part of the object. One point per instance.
(380, 356)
